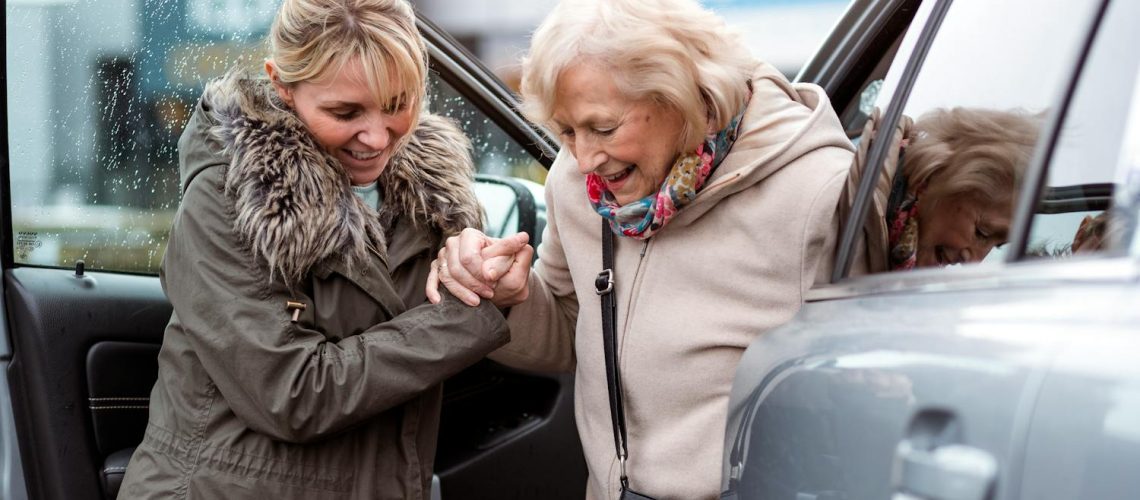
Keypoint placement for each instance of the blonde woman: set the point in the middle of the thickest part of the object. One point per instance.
(721, 181)
(302, 359)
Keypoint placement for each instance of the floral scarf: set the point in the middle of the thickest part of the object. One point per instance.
(902, 226)
(642, 218)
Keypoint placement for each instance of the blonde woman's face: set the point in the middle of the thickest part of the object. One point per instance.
(631, 145)
(960, 230)
(343, 117)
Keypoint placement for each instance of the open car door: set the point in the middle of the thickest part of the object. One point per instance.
(97, 93)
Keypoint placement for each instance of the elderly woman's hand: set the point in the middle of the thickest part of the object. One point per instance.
(473, 265)
(508, 263)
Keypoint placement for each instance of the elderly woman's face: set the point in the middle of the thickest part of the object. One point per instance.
(960, 230)
(343, 117)
(631, 145)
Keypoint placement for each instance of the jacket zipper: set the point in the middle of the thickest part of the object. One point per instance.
(625, 326)
(633, 296)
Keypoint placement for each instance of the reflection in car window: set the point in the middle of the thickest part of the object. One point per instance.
(1128, 197)
(968, 131)
(95, 109)
(1091, 179)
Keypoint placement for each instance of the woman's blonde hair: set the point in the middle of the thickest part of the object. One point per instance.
(673, 52)
(311, 39)
(972, 153)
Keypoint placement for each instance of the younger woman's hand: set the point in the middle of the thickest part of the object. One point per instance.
(462, 268)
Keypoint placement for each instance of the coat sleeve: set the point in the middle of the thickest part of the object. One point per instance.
(821, 228)
(542, 327)
(286, 381)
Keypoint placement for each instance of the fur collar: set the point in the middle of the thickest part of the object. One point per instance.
(293, 202)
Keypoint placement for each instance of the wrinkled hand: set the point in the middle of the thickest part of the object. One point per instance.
(472, 265)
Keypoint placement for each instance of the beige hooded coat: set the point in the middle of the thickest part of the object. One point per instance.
(731, 265)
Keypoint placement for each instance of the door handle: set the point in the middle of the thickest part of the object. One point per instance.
(932, 464)
(952, 472)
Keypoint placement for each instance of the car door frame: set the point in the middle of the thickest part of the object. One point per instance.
(46, 442)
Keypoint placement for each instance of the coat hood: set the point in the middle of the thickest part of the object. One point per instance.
(782, 123)
(293, 202)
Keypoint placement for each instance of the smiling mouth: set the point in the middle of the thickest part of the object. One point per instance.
(620, 175)
(363, 156)
(943, 258)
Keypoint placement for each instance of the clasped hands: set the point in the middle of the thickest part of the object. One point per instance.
(474, 266)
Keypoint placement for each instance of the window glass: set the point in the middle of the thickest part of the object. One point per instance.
(1128, 198)
(495, 153)
(1090, 171)
(782, 33)
(971, 123)
(856, 113)
(98, 94)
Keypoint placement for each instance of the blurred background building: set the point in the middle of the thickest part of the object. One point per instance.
(782, 32)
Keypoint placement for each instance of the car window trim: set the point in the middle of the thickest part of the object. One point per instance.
(1023, 274)
(471, 78)
(853, 226)
(7, 250)
(1033, 186)
(866, 27)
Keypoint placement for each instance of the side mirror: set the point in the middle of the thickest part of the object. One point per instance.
(511, 205)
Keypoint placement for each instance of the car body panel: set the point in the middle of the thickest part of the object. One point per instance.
(1084, 437)
(843, 383)
(857, 370)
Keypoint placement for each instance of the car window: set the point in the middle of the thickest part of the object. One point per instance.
(1129, 198)
(1091, 181)
(782, 33)
(952, 173)
(95, 110)
(859, 110)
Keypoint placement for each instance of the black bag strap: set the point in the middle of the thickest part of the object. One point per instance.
(604, 286)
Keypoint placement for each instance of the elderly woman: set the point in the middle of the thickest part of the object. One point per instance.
(720, 180)
(952, 200)
(302, 359)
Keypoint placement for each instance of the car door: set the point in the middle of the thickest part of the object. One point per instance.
(919, 384)
(1084, 435)
(97, 92)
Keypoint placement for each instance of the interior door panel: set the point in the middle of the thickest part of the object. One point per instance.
(84, 362)
(509, 434)
(119, 379)
(55, 319)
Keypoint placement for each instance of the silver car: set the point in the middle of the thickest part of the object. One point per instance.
(1012, 378)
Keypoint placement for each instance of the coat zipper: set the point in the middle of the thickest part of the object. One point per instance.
(625, 326)
(633, 296)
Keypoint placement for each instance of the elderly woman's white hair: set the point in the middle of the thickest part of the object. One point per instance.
(671, 51)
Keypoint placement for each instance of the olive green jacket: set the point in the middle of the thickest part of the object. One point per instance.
(343, 401)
